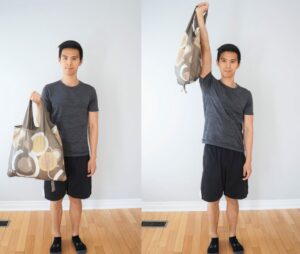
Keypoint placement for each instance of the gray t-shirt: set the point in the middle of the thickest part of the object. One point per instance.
(224, 110)
(69, 108)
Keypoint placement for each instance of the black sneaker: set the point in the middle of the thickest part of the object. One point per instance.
(56, 246)
(237, 248)
(79, 245)
(213, 247)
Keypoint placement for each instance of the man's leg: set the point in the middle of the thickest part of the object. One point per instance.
(235, 188)
(232, 211)
(213, 212)
(56, 215)
(75, 214)
(213, 218)
(211, 191)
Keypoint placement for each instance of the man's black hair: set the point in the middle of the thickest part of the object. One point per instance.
(70, 44)
(230, 48)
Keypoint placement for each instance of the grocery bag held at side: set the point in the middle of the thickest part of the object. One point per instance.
(37, 152)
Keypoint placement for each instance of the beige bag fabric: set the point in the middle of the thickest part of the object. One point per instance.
(188, 62)
(37, 152)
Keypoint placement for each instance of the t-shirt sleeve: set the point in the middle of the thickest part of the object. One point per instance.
(206, 82)
(93, 104)
(248, 110)
(46, 99)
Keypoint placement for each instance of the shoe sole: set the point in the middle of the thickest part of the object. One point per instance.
(239, 252)
(55, 252)
(81, 252)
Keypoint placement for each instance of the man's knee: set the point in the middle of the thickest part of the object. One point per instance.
(213, 205)
(75, 201)
(56, 206)
(57, 203)
(231, 201)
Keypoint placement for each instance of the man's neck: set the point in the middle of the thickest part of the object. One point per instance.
(228, 82)
(70, 80)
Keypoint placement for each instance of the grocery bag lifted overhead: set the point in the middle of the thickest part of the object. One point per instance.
(188, 62)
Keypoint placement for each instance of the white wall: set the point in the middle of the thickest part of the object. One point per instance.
(267, 33)
(109, 32)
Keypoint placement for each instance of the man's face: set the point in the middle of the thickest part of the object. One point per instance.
(70, 61)
(228, 64)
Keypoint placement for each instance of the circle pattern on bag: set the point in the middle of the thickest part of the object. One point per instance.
(40, 143)
(48, 161)
(25, 164)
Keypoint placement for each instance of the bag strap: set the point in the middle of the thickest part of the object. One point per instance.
(28, 122)
(194, 20)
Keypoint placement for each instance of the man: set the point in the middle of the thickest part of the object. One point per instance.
(228, 136)
(73, 107)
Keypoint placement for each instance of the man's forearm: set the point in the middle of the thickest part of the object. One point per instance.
(93, 138)
(204, 41)
(248, 142)
(205, 53)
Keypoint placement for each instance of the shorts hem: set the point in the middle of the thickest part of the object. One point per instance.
(78, 196)
(55, 198)
(211, 199)
(235, 197)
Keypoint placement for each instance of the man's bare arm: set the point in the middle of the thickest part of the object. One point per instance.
(93, 139)
(204, 41)
(36, 98)
(248, 143)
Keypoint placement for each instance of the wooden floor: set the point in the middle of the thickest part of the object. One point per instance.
(260, 232)
(118, 232)
(103, 231)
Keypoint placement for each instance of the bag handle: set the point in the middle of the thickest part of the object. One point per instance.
(194, 21)
(28, 122)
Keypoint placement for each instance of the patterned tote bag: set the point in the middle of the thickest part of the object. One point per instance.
(188, 62)
(37, 152)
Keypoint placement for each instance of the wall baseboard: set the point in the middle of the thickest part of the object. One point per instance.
(87, 204)
(201, 205)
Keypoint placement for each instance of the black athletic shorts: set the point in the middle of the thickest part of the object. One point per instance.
(77, 185)
(223, 173)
